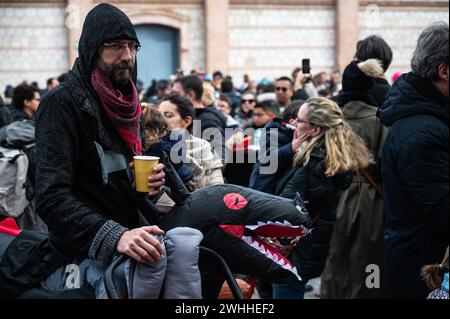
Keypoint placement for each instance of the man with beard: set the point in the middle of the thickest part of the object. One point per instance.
(88, 131)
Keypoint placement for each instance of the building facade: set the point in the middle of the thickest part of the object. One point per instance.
(262, 38)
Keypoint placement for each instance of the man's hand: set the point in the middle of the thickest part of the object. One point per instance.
(140, 245)
(301, 80)
(156, 181)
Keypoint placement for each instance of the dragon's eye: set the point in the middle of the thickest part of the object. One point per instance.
(235, 201)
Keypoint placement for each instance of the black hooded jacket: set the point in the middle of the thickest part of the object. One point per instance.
(211, 118)
(414, 167)
(83, 183)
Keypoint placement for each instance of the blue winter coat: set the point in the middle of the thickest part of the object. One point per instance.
(280, 150)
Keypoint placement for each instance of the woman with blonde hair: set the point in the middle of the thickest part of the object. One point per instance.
(327, 154)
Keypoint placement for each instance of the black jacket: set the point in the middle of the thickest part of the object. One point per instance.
(5, 116)
(321, 196)
(18, 115)
(210, 117)
(280, 153)
(83, 188)
(300, 95)
(415, 167)
(380, 90)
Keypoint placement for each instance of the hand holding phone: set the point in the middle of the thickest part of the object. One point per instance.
(304, 76)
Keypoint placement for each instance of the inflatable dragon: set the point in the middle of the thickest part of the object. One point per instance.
(235, 221)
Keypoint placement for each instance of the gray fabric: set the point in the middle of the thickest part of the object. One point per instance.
(177, 269)
(18, 133)
(146, 279)
(183, 280)
(13, 169)
(110, 162)
(104, 244)
(75, 275)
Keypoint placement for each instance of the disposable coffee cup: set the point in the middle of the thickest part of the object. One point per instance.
(143, 169)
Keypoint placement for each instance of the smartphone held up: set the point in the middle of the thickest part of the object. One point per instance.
(306, 66)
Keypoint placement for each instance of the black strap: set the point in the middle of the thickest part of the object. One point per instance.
(372, 181)
(14, 159)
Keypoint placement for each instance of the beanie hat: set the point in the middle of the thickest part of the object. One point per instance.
(102, 24)
(359, 76)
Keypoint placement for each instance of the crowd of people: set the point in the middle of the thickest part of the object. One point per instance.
(369, 160)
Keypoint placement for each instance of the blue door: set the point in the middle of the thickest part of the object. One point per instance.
(159, 56)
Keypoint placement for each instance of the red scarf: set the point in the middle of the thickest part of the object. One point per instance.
(123, 111)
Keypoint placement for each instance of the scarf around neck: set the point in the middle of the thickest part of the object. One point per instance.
(124, 111)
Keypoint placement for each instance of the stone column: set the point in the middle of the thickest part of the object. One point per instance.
(347, 31)
(216, 25)
(76, 12)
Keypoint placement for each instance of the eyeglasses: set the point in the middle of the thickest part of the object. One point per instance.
(248, 101)
(118, 48)
(281, 89)
(299, 120)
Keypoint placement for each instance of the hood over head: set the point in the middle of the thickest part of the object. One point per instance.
(410, 96)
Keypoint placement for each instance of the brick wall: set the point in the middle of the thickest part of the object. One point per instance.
(400, 27)
(196, 33)
(270, 42)
(266, 39)
(33, 45)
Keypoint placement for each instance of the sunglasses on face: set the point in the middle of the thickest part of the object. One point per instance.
(281, 89)
(248, 101)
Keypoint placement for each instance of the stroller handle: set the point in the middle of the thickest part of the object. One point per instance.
(111, 290)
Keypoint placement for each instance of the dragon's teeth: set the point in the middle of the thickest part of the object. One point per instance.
(255, 245)
(287, 267)
(281, 262)
(262, 224)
